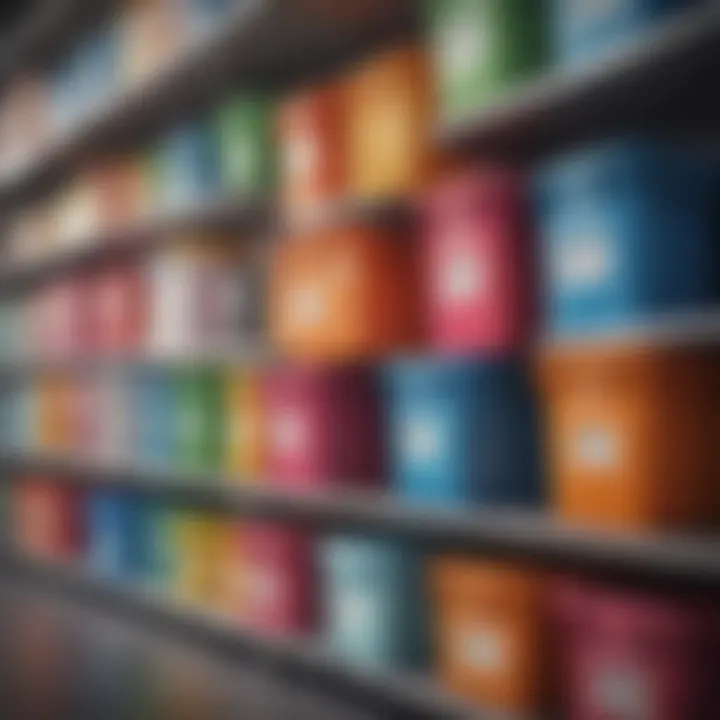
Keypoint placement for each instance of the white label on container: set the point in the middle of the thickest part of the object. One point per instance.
(598, 448)
(465, 43)
(306, 307)
(356, 612)
(584, 262)
(463, 278)
(482, 648)
(621, 693)
(290, 433)
(302, 156)
(422, 439)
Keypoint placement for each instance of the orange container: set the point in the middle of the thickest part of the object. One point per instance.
(245, 426)
(122, 192)
(55, 403)
(344, 294)
(634, 435)
(491, 633)
(390, 110)
(311, 147)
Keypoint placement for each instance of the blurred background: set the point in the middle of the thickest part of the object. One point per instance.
(359, 359)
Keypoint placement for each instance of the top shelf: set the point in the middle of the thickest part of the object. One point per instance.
(274, 44)
(663, 81)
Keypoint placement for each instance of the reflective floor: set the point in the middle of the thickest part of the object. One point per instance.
(64, 661)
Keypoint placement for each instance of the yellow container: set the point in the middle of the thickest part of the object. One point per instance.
(196, 538)
(245, 439)
(54, 403)
(390, 107)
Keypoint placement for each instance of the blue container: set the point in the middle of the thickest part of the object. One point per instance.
(626, 234)
(463, 431)
(115, 535)
(155, 411)
(96, 69)
(22, 433)
(189, 165)
(585, 29)
(374, 607)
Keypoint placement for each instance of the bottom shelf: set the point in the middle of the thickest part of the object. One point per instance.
(301, 661)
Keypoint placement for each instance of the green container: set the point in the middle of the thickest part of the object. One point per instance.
(200, 421)
(483, 46)
(247, 140)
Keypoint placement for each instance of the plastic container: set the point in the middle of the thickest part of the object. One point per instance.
(119, 300)
(344, 295)
(626, 236)
(155, 400)
(245, 426)
(324, 427)
(112, 521)
(312, 150)
(631, 655)
(247, 139)
(390, 106)
(122, 193)
(195, 535)
(189, 165)
(492, 632)
(279, 579)
(583, 30)
(373, 604)
(483, 47)
(463, 431)
(478, 262)
(199, 420)
(113, 417)
(56, 399)
(231, 571)
(633, 435)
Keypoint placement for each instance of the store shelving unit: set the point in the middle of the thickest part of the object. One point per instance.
(687, 561)
(280, 43)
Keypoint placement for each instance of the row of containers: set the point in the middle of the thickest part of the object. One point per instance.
(616, 236)
(626, 438)
(507, 636)
(367, 132)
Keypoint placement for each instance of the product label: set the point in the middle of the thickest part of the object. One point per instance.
(597, 448)
(422, 439)
(301, 156)
(306, 307)
(622, 693)
(356, 612)
(482, 648)
(264, 587)
(584, 262)
(290, 433)
(463, 279)
(465, 43)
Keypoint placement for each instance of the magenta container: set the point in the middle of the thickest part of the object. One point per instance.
(279, 579)
(324, 427)
(636, 657)
(478, 262)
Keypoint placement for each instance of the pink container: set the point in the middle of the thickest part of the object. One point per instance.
(633, 657)
(324, 427)
(279, 579)
(478, 262)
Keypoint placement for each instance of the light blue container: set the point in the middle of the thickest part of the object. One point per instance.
(374, 604)
(204, 16)
(585, 29)
(96, 69)
(155, 411)
(23, 432)
(189, 165)
(115, 535)
(463, 431)
(626, 235)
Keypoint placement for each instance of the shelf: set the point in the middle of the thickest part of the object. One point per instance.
(690, 561)
(269, 44)
(244, 215)
(660, 82)
(390, 695)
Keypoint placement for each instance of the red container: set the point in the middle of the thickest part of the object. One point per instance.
(636, 657)
(119, 304)
(279, 579)
(47, 519)
(324, 427)
(478, 261)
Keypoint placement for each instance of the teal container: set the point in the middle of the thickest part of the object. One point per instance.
(375, 612)
(483, 46)
(247, 145)
(200, 420)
